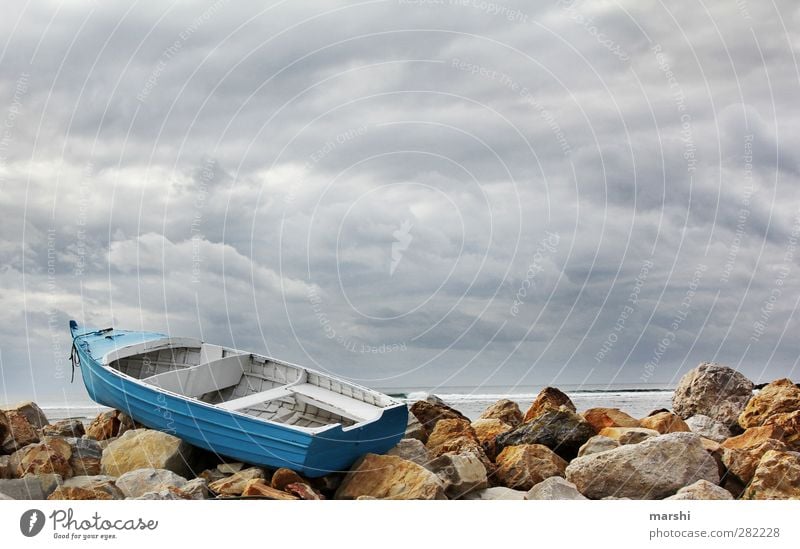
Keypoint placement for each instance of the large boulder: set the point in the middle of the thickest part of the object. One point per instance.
(145, 448)
(460, 473)
(235, 484)
(504, 410)
(523, 466)
(65, 428)
(779, 397)
(665, 422)
(141, 481)
(45, 457)
(561, 430)
(554, 488)
(789, 423)
(708, 427)
(429, 414)
(110, 424)
(743, 461)
(777, 477)
(713, 390)
(653, 469)
(390, 477)
(412, 450)
(600, 418)
(597, 444)
(487, 430)
(30, 411)
(702, 489)
(20, 432)
(548, 398)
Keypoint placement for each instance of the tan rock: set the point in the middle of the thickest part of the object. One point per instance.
(789, 423)
(86, 457)
(777, 477)
(665, 422)
(257, 488)
(6, 469)
(496, 493)
(702, 490)
(109, 424)
(522, 467)
(230, 468)
(303, 491)
(145, 448)
(42, 458)
(235, 484)
(458, 437)
(96, 483)
(284, 476)
(779, 397)
(548, 398)
(75, 493)
(65, 428)
(31, 412)
(20, 432)
(628, 435)
(430, 414)
(504, 410)
(487, 430)
(5, 428)
(390, 477)
(554, 488)
(754, 436)
(600, 418)
(742, 462)
(415, 429)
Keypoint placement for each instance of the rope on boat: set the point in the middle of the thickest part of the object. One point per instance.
(74, 357)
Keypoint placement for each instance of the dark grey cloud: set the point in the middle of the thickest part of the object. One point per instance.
(370, 189)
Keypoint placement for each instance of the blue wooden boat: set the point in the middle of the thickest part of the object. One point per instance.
(240, 405)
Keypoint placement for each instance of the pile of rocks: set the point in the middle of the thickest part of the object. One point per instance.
(720, 441)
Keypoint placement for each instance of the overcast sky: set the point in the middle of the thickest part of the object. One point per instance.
(406, 193)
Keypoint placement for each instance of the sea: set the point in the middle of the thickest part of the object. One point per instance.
(635, 400)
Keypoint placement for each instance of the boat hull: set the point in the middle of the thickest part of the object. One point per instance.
(229, 434)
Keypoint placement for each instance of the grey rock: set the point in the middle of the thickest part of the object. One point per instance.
(596, 445)
(713, 390)
(411, 449)
(554, 488)
(708, 427)
(30, 487)
(495, 493)
(702, 489)
(460, 473)
(562, 430)
(653, 469)
(142, 481)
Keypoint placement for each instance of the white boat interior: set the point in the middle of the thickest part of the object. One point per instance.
(257, 386)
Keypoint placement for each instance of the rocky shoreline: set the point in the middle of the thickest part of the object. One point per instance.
(723, 439)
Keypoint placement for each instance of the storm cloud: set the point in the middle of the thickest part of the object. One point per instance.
(406, 193)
